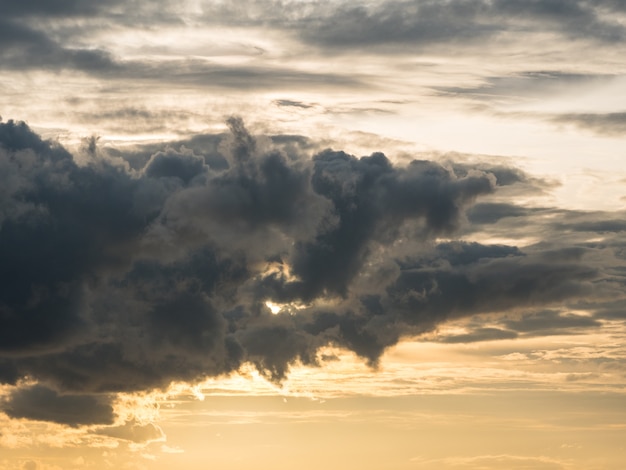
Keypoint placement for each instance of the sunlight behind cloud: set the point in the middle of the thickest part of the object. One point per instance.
(363, 235)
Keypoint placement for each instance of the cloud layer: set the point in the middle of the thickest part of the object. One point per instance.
(123, 273)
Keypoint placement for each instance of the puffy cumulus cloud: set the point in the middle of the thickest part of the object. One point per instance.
(125, 272)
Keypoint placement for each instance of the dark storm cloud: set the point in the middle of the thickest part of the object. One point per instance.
(76, 219)
(131, 270)
(371, 201)
(43, 404)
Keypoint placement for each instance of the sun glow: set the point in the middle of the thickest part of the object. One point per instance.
(289, 307)
(274, 308)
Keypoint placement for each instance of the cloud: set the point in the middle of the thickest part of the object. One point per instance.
(25, 47)
(480, 334)
(371, 201)
(551, 322)
(610, 124)
(134, 432)
(74, 35)
(528, 84)
(293, 104)
(51, 8)
(127, 271)
(541, 323)
(488, 462)
(29, 49)
(43, 404)
(416, 25)
(491, 212)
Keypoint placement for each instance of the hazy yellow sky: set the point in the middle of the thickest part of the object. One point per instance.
(312, 234)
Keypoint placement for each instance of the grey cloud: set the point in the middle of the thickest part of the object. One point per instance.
(9, 373)
(134, 432)
(599, 226)
(76, 219)
(292, 103)
(34, 35)
(40, 52)
(605, 309)
(577, 19)
(53, 7)
(116, 118)
(610, 124)
(371, 201)
(551, 322)
(31, 46)
(205, 74)
(105, 13)
(606, 223)
(26, 48)
(457, 253)
(491, 212)
(398, 22)
(184, 165)
(132, 270)
(424, 292)
(204, 145)
(530, 84)
(44, 404)
(612, 313)
(41, 36)
(480, 334)
(511, 182)
(415, 25)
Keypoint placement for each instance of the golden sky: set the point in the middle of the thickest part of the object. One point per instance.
(312, 234)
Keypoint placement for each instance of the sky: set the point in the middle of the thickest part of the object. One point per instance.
(318, 234)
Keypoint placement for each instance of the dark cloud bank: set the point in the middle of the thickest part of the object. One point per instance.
(126, 272)
(59, 35)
